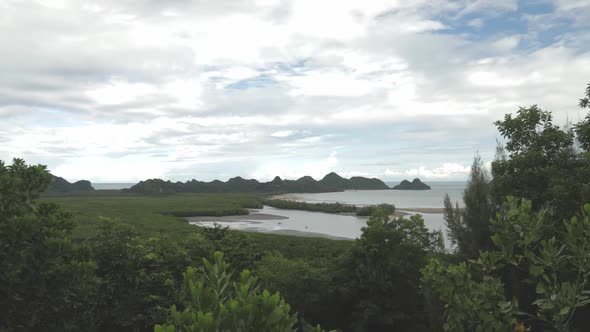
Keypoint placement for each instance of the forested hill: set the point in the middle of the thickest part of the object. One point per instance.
(331, 182)
(61, 185)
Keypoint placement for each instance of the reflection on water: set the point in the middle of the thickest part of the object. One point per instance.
(334, 225)
(344, 226)
(400, 198)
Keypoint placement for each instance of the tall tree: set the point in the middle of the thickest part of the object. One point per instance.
(541, 165)
(45, 285)
(387, 259)
(583, 128)
(478, 209)
(456, 229)
(469, 229)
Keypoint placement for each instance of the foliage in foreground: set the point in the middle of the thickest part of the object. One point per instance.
(542, 163)
(490, 293)
(45, 284)
(213, 302)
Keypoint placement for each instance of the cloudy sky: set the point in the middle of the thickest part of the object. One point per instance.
(124, 90)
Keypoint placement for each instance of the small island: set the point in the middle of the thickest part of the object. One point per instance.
(416, 184)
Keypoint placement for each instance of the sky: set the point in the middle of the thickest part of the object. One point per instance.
(126, 90)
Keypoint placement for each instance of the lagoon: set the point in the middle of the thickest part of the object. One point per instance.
(339, 226)
(303, 223)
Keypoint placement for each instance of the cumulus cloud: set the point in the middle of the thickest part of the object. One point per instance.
(208, 89)
(282, 133)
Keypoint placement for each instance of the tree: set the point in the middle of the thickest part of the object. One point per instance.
(478, 209)
(469, 229)
(213, 302)
(138, 276)
(541, 165)
(582, 129)
(585, 101)
(237, 247)
(456, 228)
(45, 284)
(387, 259)
(306, 286)
(556, 266)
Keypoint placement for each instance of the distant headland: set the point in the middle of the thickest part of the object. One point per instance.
(61, 185)
(416, 184)
(329, 183)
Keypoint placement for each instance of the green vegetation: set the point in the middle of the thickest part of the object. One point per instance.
(212, 302)
(331, 182)
(44, 280)
(364, 211)
(529, 280)
(315, 207)
(118, 277)
(416, 184)
(152, 215)
(387, 259)
(531, 272)
(369, 210)
(469, 229)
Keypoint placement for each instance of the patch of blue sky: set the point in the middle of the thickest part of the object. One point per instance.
(488, 25)
(291, 69)
(264, 80)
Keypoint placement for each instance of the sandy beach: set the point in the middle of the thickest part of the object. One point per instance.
(256, 216)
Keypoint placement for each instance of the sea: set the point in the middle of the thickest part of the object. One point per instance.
(112, 186)
(409, 199)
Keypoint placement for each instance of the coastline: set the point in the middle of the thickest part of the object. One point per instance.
(399, 211)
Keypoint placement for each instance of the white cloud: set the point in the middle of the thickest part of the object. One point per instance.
(282, 133)
(506, 43)
(190, 89)
(445, 171)
(128, 168)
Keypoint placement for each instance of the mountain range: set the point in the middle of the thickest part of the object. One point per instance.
(329, 183)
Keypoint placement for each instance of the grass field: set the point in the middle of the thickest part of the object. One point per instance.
(163, 215)
(152, 214)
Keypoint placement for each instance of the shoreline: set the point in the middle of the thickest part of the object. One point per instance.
(254, 221)
(256, 216)
(422, 210)
(399, 211)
